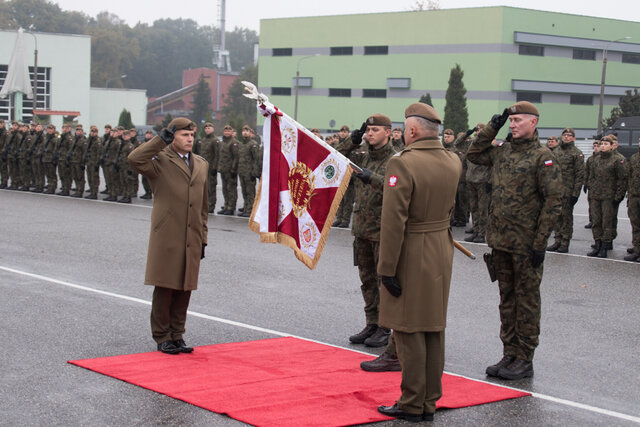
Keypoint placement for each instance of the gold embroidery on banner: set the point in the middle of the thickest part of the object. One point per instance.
(308, 234)
(289, 139)
(301, 185)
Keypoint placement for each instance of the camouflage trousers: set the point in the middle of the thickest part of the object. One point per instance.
(346, 204)
(564, 225)
(4, 173)
(212, 184)
(14, 173)
(633, 210)
(64, 172)
(93, 178)
(479, 199)
(519, 284)
(77, 173)
(26, 176)
(115, 187)
(107, 176)
(52, 177)
(127, 182)
(461, 208)
(229, 190)
(248, 187)
(603, 214)
(365, 256)
(37, 169)
(145, 185)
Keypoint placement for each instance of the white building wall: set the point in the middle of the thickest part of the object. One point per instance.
(107, 104)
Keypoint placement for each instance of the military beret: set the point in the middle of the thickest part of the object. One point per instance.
(344, 127)
(613, 137)
(51, 126)
(569, 130)
(397, 128)
(182, 123)
(552, 137)
(448, 132)
(425, 111)
(107, 126)
(378, 120)
(120, 128)
(134, 130)
(66, 125)
(92, 128)
(607, 138)
(149, 131)
(78, 126)
(523, 107)
(228, 127)
(246, 127)
(207, 124)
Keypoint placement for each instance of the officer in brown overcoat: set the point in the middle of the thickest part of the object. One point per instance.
(416, 255)
(178, 234)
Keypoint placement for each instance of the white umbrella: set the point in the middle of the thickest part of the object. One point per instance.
(18, 73)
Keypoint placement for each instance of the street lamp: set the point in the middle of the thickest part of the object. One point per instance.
(106, 85)
(35, 79)
(604, 72)
(295, 108)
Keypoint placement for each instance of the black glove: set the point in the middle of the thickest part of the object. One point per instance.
(497, 121)
(392, 285)
(356, 135)
(167, 134)
(364, 176)
(536, 258)
(469, 132)
(214, 172)
(574, 200)
(202, 255)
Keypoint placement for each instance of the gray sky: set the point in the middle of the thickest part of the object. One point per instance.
(247, 13)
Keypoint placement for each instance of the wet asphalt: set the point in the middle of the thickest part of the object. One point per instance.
(71, 273)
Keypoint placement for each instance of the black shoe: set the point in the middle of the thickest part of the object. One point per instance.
(110, 199)
(608, 245)
(631, 250)
(104, 192)
(210, 210)
(563, 249)
(63, 193)
(125, 200)
(633, 256)
(228, 212)
(379, 339)
(245, 214)
(588, 226)
(168, 347)
(493, 370)
(222, 211)
(76, 195)
(596, 248)
(383, 363)
(470, 238)
(395, 412)
(241, 210)
(336, 223)
(479, 239)
(516, 370)
(363, 334)
(91, 197)
(603, 250)
(182, 346)
(459, 224)
(554, 247)
(147, 196)
(469, 230)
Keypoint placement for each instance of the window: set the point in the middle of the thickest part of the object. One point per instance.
(340, 92)
(283, 91)
(588, 54)
(282, 51)
(376, 50)
(43, 100)
(581, 100)
(399, 82)
(631, 58)
(533, 50)
(342, 50)
(374, 93)
(535, 97)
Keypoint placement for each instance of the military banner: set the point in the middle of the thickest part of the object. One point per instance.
(303, 181)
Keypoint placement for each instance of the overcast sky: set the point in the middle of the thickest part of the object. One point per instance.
(247, 13)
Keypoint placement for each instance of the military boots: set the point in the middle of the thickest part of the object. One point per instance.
(596, 249)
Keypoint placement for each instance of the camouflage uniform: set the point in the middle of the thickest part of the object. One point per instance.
(126, 176)
(106, 143)
(37, 168)
(461, 209)
(633, 200)
(247, 166)
(607, 185)
(571, 162)
(76, 159)
(367, 214)
(49, 149)
(64, 165)
(4, 171)
(228, 168)
(111, 154)
(588, 168)
(479, 194)
(525, 203)
(210, 151)
(24, 161)
(355, 154)
(92, 158)
(625, 170)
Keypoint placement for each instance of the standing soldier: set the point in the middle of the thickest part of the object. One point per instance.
(366, 220)
(396, 139)
(246, 170)
(125, 172)
(48, 159)
(136, 178)
(633, 206)
(552, 143)
(228, 168)
(24, 157)
(10, 151)
(92, 159)
(571, 162)
(460, 215)
(111, 154)
(36, 159)
(210, 151)
(4, 141)
(478, 181)
(588, 167)
(623, 161)
(106, 139)
(607, 186)
(145, 182)
(64, 165)
(343, 216)
(525, 203)
(76, 158)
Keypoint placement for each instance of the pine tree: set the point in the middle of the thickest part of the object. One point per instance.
(125, 119)
(165, 122)
(201, 101)
(426, 99)
(456, 115)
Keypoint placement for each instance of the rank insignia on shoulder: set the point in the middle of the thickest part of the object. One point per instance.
(548, 162)
(393, 180)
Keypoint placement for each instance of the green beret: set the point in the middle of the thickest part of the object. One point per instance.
(378, 120)
(425, 111)
(569, 130)
(397, 129)
(207, 124)
(94, 128)
(524, 107)
(344, 127)
(182, 123)
(448, 132)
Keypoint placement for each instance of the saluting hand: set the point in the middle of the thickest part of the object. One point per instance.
(167, 134)
(356, 135)
(497, 121)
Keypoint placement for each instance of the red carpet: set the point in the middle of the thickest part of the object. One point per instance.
(281, 382)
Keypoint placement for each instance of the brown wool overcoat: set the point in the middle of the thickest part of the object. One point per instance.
(179, 215)
(416, 245)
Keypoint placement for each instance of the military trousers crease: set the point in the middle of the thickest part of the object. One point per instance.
(564, 225)
(603, 214)
(168, 314)
(520, 304)
(229, 190)
(366, 258)
(421, 356)
(479, 200)
(248, 187)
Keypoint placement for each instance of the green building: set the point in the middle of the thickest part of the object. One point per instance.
(353, 65)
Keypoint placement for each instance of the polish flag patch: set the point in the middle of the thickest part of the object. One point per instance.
(393, 180)
(548, 162)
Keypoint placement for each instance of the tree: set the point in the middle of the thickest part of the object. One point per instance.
(426, 99)
(201, 101)
(456, 115)
(237, 105)
(125, 119)
(165, 122)
(629, 105)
